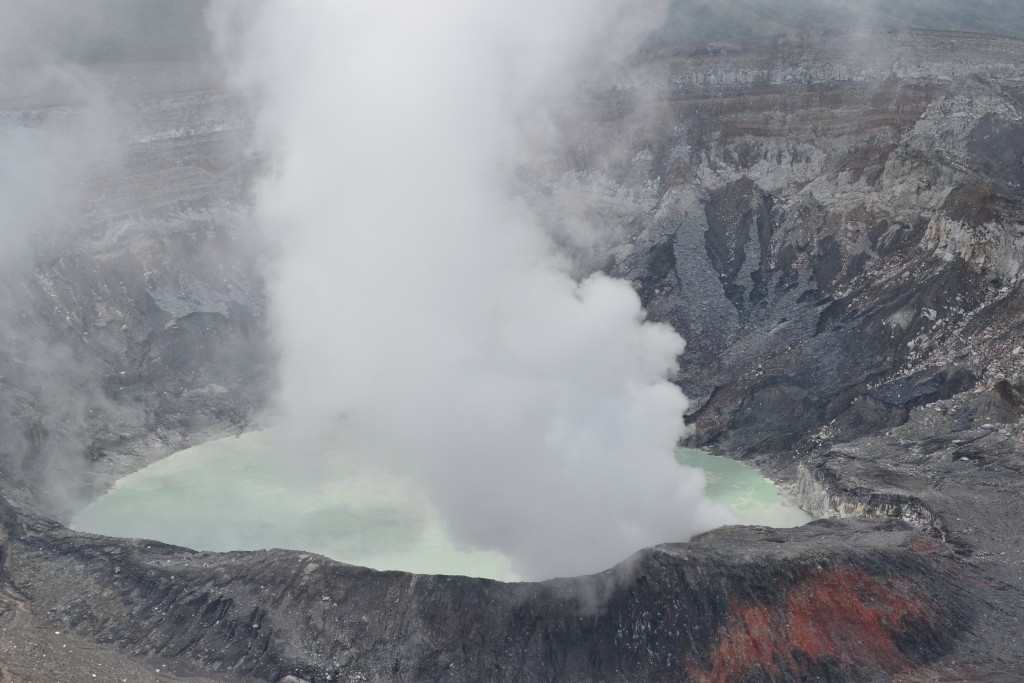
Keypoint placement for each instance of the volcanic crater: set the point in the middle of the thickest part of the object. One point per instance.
(833, 223)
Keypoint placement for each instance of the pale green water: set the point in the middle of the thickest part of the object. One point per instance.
(241, 493)
(754, 499)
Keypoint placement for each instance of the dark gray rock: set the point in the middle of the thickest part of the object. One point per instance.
(837, 601)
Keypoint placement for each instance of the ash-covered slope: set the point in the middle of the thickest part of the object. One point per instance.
(831, 221)
(833, 600)
(132, 317)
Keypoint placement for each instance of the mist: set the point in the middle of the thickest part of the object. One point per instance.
(697, 22)
(102, 31)
(415, 294)
(75, 161)
(55, 126)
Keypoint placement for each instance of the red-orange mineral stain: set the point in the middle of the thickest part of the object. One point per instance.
(840, 613)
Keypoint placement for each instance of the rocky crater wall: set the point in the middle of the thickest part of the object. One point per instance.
(831, 221)
(139, 324)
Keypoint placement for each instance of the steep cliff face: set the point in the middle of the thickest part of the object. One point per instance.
(831, 221)
(834, 224)
(138, 325)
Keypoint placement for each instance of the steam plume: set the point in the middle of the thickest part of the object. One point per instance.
(415, 293)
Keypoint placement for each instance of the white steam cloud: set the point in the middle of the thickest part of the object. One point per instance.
(414, 292)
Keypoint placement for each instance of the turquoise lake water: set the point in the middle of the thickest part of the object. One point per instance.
(245, 493)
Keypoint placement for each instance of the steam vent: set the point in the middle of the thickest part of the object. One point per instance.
(528, 268)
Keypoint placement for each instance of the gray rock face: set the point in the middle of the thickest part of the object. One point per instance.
(830, 221)
(736, 603)
(833, 222)
(140, 325)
